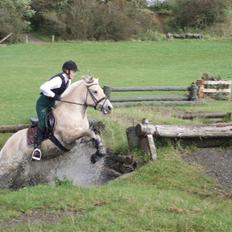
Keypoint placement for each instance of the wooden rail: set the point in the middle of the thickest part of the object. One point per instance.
(12, 128)
(132, 100)
(192, 115)
(6, 37)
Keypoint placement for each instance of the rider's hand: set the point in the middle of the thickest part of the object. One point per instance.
(57, 97)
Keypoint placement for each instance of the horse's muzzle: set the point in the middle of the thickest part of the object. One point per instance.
(106, 107)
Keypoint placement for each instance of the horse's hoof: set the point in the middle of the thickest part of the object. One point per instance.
(93, 159)
(96, 157)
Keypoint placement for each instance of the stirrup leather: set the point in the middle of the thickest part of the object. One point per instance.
(36, 157)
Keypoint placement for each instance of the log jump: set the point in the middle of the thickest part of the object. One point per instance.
(216, 115)
(144, 135)
(12, 128)
(190, 97)
(216, 89)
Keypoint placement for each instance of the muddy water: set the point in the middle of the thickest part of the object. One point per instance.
(74, 166)
(77, 167)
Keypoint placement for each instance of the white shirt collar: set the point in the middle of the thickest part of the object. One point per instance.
(66, 76)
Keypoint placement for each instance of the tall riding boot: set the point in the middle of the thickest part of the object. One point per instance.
(37, 154)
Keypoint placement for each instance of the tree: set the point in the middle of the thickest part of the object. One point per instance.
(15, 17)
(198, 13)
(89, 19)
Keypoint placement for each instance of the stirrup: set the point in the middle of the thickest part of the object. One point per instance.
(36, 154)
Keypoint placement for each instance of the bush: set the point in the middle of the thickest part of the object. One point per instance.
(198, 13)
(14, 18)
(91, 19)
(151, 35)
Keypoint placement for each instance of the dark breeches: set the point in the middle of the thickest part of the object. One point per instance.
(43, 106)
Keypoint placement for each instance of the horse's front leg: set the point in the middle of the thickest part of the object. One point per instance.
(74, 135)
(101, 150)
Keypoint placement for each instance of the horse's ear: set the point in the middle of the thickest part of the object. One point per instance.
(88, 79)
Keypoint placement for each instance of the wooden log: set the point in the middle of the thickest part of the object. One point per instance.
(184, 36)
(220, 82)
(151, 147)
(149, 88)
(157, 103)
(193, 92)
(6, 37)
(206, 115)
(12, 128)
(216, 90)
(186, 131)
(148, 98)
(97, 126)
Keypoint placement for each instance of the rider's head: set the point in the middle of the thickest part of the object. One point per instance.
(70, 68)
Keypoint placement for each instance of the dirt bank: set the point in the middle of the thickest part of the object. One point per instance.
(217, 162)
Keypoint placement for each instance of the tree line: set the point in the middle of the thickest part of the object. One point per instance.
(105, 19)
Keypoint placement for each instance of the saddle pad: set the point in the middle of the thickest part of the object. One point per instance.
(31, 134)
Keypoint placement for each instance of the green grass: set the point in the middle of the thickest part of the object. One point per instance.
(166, 195)
(24, 67)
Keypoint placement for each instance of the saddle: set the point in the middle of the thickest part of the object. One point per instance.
(50, 124)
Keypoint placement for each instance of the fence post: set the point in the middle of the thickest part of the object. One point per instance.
(200, 84)
(193, 89)
(26, 39)
(107, 91)
(53, 38)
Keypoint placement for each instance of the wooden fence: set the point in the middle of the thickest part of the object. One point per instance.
(220, 89)
(145, 135)
(191, 96)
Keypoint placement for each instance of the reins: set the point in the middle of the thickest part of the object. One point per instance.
(74, 103)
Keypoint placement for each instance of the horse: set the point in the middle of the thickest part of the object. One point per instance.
(71, 124)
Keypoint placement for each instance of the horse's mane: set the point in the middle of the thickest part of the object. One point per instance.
(87, 80)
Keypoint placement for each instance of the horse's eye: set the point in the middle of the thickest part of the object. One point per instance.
(95, 91)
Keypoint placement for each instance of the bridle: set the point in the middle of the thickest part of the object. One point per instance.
(95, 100)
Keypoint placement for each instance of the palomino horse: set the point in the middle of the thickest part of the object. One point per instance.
(71, 124)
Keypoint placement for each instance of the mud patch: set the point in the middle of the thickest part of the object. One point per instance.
(217, 162)
(37, 217)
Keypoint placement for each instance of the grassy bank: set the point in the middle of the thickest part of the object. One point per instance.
(166, 195)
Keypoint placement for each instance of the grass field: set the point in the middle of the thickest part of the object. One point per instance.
(25, 67)
(167, 195)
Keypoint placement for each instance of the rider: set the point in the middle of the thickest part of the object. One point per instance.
(51, 92)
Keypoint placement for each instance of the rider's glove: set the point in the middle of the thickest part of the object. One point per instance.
(57, 97)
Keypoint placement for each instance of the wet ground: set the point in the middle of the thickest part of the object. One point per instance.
(217, 163)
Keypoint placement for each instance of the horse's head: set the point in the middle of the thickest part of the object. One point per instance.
(95, 95)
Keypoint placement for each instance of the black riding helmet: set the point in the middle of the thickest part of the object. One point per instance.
(70, 65)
